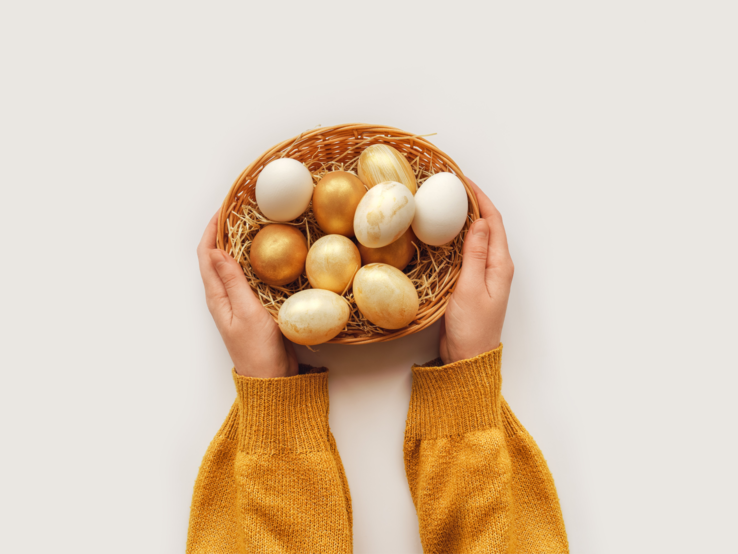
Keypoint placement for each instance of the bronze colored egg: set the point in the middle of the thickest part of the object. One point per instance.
(397, 254)
(334, 202)
(278, 254)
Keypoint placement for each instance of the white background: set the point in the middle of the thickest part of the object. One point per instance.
(605, 132)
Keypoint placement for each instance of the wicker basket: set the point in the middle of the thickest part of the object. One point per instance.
(338, 147)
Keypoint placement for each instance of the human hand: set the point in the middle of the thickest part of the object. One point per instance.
(475, 313)
(252, 337)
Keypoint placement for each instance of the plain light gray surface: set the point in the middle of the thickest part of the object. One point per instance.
(604, 132)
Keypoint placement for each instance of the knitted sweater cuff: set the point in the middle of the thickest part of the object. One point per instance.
(286, 414)
(456, 398)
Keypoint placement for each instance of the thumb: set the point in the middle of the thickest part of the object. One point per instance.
(474, 261)
(239, 292)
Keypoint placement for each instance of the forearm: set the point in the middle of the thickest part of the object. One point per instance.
(278, 484)
(466, 470)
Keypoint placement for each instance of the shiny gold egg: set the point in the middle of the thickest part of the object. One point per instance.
(386, 296)
(278, 254)
(334, 202)
(380, 163)
(332, 262)
(397, 254)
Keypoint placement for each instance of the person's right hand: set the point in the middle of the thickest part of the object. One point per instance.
(252, 337)
(474, 316)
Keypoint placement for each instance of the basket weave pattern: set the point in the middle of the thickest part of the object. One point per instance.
(434, 270)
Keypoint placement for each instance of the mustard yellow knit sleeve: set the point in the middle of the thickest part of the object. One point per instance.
(479, 482)
(271, 480)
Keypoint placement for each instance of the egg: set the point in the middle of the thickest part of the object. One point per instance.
(284, 189)
(313, 316)
(332, 262)
(441, 207)
(380, 162)
(335, 199)
(277, 254)
(386, 296)
(384, 214)
(397, 254)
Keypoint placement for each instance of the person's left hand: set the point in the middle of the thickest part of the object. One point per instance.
(252, 337)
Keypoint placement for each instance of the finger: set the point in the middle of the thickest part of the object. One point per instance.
(214, 289)
(474, 256)
(207, 243)
(242, 298)
(499, 252)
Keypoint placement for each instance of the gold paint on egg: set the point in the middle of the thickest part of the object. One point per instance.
(386, 296)
(332, 262)
(397, 254)
(335, 199)
(313, 316)
(380, 163)
(278, 254)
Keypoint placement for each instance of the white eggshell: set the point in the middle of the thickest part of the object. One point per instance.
(441, 207)
(384, 214)
(284, 189)
(313, 316)
(386, 296)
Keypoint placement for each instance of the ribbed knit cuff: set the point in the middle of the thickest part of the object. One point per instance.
(286, 414)
(457, 398)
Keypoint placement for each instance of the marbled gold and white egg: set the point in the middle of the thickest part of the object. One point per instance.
(386, 296)
(313, 316)
(385, 212)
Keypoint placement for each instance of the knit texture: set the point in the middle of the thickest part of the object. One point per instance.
(272, 481)
(479, 482)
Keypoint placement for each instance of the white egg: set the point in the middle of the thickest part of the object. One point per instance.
(284, 189)
(313, 316)
(441, 207)
(384, 214)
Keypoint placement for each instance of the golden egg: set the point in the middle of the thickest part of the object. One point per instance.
(332, 262)
(313, 316)
(386, 296)
(278, 254)
(397, 254)
(334, 202)
(380, 163)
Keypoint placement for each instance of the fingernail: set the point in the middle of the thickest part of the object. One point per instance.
(480, 227)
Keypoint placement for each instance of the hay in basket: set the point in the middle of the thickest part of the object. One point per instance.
(433, 270)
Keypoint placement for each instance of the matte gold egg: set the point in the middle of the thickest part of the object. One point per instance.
(335, 199)
(278, 254)
(380, 163)
(332, 262)
(397, 254)
(386, 296)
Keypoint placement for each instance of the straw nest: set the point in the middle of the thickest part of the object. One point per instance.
(433, 270)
